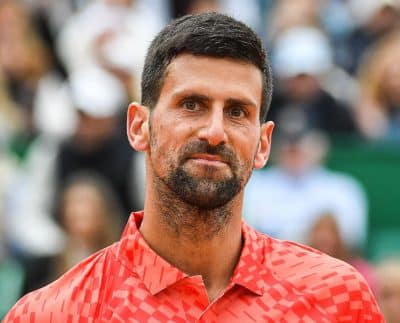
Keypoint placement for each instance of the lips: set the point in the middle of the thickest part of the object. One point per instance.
(207, 159)
(201, 152)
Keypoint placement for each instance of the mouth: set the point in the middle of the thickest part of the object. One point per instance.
(208, 160)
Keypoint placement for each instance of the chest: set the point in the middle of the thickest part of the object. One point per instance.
(189, 303)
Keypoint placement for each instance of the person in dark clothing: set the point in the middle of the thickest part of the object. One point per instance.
(303, 60)
(98, 147)
(97, 144)
(376, 20)
(321, 111)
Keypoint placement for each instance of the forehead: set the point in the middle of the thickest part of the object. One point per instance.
(214, 77)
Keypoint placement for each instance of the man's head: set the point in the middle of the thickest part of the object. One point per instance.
(209, 34)
(205, 82)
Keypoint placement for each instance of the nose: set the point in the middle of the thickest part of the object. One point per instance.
(213, 130)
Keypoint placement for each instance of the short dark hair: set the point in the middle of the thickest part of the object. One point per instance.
(207, 34)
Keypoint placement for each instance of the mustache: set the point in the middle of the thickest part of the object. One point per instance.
(202, 147)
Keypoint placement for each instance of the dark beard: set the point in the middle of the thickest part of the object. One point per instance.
(204, 193)
(187, 220)
(197, 207)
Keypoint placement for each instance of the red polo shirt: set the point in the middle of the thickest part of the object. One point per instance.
(274, 281)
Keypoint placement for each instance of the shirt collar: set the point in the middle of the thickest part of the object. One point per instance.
(250, 272)
(157, 274)
(135, 254)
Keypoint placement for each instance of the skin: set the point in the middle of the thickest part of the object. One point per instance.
(92, 132)
(325, 236)
(389, 295)
(83, 212)
(205, 124)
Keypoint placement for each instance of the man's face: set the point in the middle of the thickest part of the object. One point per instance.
(205, 129)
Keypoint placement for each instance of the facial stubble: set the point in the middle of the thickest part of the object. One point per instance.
(191, 201)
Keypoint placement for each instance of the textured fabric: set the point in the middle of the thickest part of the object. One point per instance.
(274, 281)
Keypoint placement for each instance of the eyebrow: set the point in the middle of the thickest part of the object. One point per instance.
(205, 98)
(243, 102)
(193, 96)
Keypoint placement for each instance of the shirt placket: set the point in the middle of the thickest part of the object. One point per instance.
(207, 315)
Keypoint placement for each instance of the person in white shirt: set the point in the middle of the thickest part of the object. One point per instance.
(285, 200)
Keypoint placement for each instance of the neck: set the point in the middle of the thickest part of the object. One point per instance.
(197, 241)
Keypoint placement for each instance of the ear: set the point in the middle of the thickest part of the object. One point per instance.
(137, 126)
(264, 146)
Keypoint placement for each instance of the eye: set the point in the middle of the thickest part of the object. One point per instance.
(237, 112)
(190, 105)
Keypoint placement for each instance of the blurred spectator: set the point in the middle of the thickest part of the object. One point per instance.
(375, 18)
(379, 103)
(302, 60)
(183, 7)
(284, 200)
(336, 19)
(49, 18)
(287, 14)
(331, 16)
(97, 145)
(10, 116)
(11, 272)
(325, 236)
(246, 11)
(12, 277)
(115, 33)
(389, 289)
(24, 60)
(27, 74)
(90, 215)
(54, 115)
(8, 173)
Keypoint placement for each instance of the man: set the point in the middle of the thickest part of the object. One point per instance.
(285, 200)
(304, 72)
(188, 257)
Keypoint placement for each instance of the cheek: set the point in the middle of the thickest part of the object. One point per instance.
(161, 144)
(168, 136)
(162, 153)
(247, 149)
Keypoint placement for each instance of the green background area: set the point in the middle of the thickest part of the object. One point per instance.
(377, 167)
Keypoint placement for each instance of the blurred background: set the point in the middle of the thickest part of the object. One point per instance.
(69, 179)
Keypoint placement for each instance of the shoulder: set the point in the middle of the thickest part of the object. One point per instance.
(333, 284)
(338, 185)
(262, 174)
(77, 291)
(292, 260)
(256, 184)
(340, 179)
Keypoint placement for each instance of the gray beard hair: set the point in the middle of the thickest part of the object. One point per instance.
(187, 220)
(196, 218)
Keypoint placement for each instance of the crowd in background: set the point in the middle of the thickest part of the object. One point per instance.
(69, 179)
